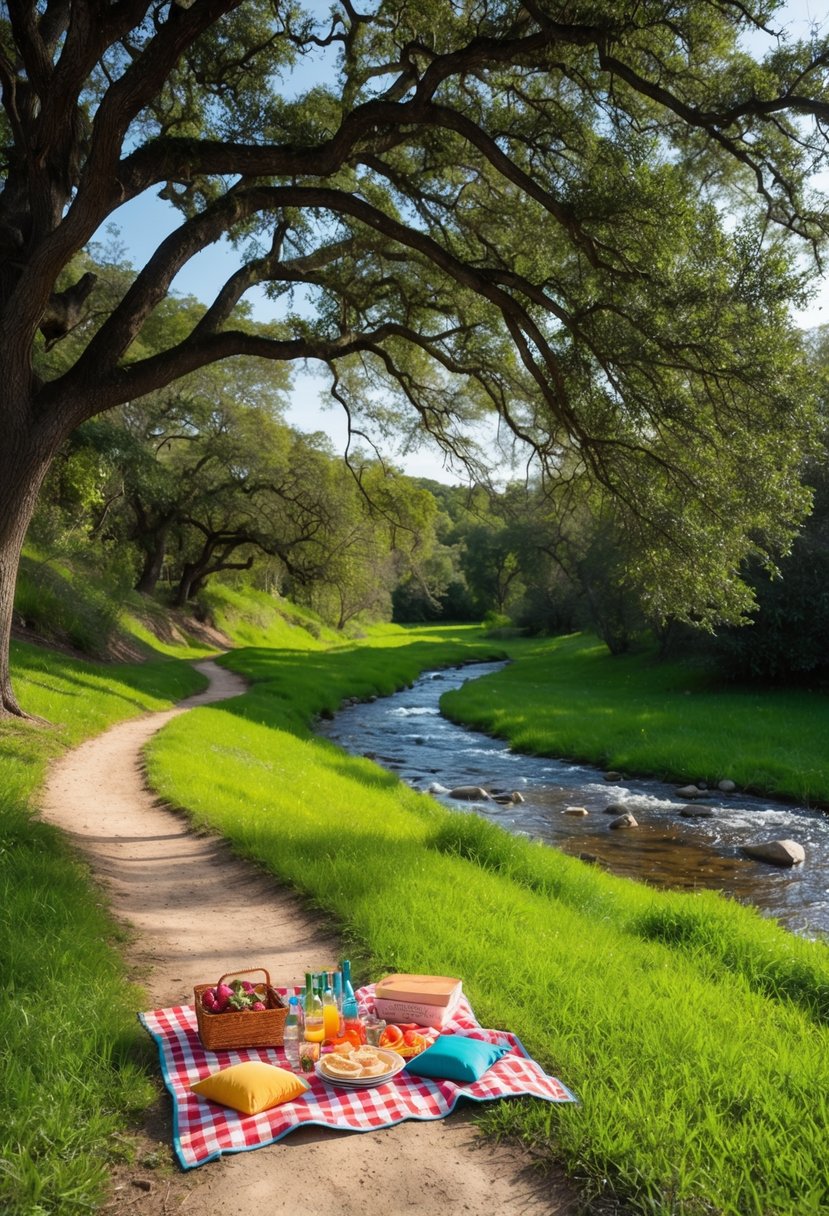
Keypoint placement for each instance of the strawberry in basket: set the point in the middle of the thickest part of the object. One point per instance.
(235, 997)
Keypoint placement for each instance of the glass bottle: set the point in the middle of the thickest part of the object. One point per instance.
(314, 1028)
(352, 1023)
(292, 1034)
(330, 1012)
(348, 990)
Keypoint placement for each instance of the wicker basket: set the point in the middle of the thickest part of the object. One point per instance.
(250, 1028)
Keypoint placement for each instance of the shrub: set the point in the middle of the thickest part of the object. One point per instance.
(65, 609)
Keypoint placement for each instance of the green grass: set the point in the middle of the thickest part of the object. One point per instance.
(66, 606)
(256, 618)
(694, 1032)
(565, 697)
(68, 602)
(75, 1065)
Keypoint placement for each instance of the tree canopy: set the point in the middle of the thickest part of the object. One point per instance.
(586, 218)
(204, 476)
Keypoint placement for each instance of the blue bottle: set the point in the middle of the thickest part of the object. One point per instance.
(348, 990)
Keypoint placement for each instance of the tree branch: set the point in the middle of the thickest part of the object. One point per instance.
(115, 335)
(27, 37)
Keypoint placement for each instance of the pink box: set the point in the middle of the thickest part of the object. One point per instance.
(435, 1016)
(425, 1000)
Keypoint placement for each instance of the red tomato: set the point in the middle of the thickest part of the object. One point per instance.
(392, 1036)
(410, 1036)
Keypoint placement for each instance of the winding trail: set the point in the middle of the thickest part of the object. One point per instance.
(196, 911)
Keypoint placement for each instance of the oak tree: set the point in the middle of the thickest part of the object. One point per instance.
(579, 216)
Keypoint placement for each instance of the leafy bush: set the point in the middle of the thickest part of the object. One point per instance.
(496, 620)
(63, 608)
(789, 639)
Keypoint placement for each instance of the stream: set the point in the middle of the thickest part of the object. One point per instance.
(407, 734)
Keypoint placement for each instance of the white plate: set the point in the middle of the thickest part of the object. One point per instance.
(396, 1064)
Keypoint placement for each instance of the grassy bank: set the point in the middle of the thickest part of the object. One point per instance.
(566, 697)
(72, 1070)
(694, 1032)
(248, 617)
(76, 1066)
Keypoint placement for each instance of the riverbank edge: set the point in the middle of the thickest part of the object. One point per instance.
(495, 715)
(666, 778)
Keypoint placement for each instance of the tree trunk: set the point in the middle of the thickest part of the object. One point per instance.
(25, 455)
(155, 550)
(195, 574)
(189, 574)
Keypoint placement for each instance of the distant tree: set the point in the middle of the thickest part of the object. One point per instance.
(499, 206)
(379, 532)
(788, 637)
(421, 594)
(552, 555)
(210, 464)
(209, 484)
(492, 567)
(584, 536)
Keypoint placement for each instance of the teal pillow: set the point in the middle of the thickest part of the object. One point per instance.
(455, 1058)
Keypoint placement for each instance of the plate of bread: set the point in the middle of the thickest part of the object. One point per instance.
(359, 1067)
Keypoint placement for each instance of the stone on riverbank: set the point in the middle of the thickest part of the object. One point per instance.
(727, 786)
(624, 821)
(695, 811)
(616, 808)
(777, 852)
(469, 793)
(691, 791)
(613, 776)
(575, 811)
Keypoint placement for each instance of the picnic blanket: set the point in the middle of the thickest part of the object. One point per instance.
(203, 1130)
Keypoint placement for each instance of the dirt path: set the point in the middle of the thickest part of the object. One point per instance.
(181, 894)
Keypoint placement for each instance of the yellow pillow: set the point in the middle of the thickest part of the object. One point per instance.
(251, 1087)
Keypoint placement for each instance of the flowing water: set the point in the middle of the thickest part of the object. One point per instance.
(407, 734)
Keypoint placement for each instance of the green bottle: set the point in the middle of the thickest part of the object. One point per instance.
(314, 1026)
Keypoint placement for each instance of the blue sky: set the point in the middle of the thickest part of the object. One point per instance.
(147, 220)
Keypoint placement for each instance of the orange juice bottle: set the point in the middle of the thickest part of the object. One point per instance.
(314, 1025)
(330, 1012)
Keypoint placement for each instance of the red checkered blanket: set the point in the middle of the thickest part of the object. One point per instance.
(203, 1130)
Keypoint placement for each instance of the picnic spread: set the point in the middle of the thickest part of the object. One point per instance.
(280, 1058)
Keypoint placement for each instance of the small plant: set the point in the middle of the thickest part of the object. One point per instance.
(154, 1161)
